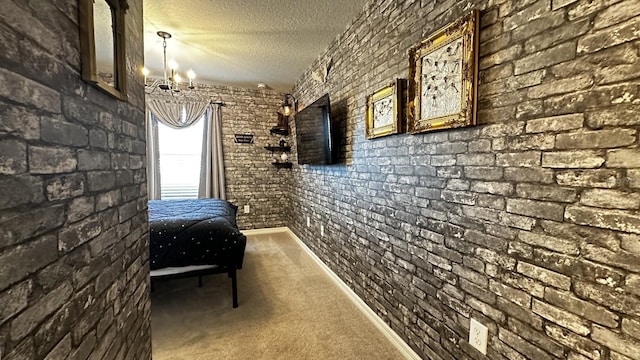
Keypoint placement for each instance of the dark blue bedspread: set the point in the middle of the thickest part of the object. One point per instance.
(194, 232)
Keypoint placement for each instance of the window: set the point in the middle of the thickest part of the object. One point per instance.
(180, 152)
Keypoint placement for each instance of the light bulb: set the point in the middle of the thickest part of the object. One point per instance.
(177, 78)
(287, 110)
(173, 65)
(191, 75)
(145, 71)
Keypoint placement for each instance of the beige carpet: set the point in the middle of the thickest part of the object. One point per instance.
(289, 309)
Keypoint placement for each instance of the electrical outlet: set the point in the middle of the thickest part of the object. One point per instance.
(308, 221)
(478, 335)
(247, 209)
(321, 230)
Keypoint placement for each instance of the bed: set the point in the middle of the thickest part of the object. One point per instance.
(195, 237)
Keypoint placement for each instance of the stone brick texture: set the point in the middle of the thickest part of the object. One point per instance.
(528, 222)
(73, 219)
(251, 178)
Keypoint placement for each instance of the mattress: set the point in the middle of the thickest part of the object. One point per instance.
(194, 232)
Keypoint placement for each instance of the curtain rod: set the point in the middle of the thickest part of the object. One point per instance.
(178, 100)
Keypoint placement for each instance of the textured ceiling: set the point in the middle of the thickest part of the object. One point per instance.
(243, 43)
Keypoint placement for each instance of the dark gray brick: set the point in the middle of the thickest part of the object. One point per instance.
(20, 261)
(555, 123)
(25, 91)
(51, 160)
(78, 234)
(14, 300)
(536, 209)
(20, 190)
(64, 133)
(66, 186)
(600, 178)
(93, 160)
(596, 139)
(19, 121)
(608, 219)
(543, 192)
(522, 346)
(544, 58)
(601, 39)
(98, 138)
(31, 317)
(102, 180)
(582, 308)
(13, 157)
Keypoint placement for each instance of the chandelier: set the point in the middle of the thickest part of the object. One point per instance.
(172, 79)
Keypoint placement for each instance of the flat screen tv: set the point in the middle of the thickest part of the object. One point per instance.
(313, 133)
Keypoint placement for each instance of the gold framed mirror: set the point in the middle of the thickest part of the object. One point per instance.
(102, 45)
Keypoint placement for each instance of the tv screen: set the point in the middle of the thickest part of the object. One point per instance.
(313, 133)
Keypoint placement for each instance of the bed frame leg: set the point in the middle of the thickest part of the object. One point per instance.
(234, 287)
(200, 281)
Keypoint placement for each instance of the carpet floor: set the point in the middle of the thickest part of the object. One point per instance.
(288, 309)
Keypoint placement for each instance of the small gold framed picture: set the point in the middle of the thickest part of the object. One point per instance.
(383, 111)
(443, 72)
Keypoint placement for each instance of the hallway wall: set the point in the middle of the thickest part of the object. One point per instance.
(73, 220)
(527, 222)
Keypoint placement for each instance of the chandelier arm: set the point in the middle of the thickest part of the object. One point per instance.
(164, 59)
(151, 88)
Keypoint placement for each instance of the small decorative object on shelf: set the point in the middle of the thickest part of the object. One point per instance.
(282, 128)
(282, 160)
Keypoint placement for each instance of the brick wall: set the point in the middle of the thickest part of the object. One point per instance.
(528, 222)
(250, 177)
(73, 220)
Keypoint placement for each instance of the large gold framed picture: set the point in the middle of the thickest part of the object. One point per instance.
(383, 111)
(443, 72)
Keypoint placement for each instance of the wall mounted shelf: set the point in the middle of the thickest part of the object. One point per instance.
(283, 165)
(279, 131)
(278, 148)
(278, 152)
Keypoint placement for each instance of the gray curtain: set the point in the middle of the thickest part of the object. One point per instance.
(177, 113)
(212, 183)
(153, 160)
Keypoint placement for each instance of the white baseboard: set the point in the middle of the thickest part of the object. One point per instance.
(265, 231)
(391, 335)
